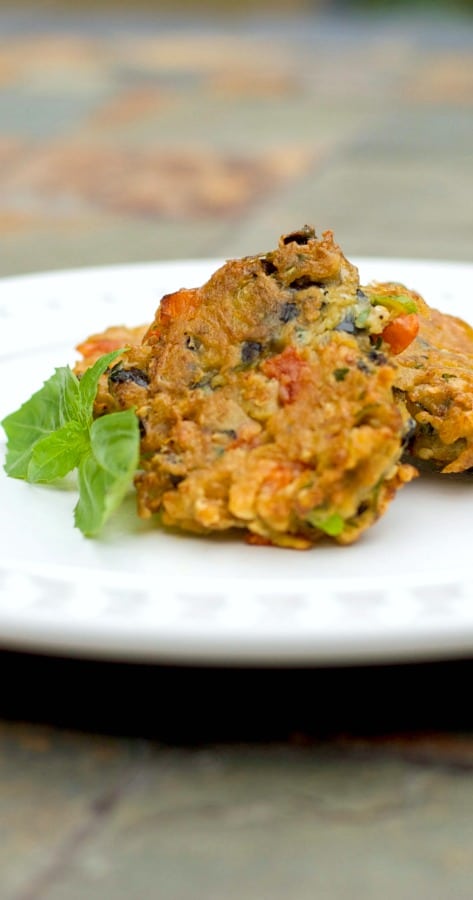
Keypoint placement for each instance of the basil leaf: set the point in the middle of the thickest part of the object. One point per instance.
(46, 411)
(54, 433)
(89, 382)
(58, 453)
(107, 470)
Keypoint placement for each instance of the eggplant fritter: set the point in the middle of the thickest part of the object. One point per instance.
(434, 380)
(265, 399)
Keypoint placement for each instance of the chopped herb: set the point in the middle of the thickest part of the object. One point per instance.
(340, 374)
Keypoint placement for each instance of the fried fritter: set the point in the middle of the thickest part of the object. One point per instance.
(95, 346)
(434, 380)
(265, 400)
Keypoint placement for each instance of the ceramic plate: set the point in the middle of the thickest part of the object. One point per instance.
(405, 591)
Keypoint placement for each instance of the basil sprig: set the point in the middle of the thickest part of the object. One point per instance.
(54, 432)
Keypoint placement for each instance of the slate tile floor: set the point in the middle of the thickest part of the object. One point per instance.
(133, 139)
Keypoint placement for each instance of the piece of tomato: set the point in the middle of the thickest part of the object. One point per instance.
(288, 368)
(401, 332)
(179, 305)
(99, 346)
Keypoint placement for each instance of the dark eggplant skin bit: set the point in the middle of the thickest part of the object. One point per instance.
(378, 358)
(289, 311)
(409, 432)
(120, 375)
(301, 237)
(250, 351)
(347, 325)
(193, 343)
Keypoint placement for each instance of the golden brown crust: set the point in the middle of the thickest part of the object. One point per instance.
(265, 400)
(269, 399)
(435, 380)
(97, 345)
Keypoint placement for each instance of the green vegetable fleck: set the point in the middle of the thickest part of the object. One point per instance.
(361, 318)
(332, 525)
(340, 374)
(54, 432)
(397, 303)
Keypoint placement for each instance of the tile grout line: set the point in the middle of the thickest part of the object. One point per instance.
(98, 813)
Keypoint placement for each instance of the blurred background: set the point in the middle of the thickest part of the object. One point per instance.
(176, 130)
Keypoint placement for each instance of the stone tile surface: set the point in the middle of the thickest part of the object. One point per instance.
(324, 820)
(231, 131)
(54, 790)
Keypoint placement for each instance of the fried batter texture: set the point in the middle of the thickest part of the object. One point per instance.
(266, 402)
(434, 380)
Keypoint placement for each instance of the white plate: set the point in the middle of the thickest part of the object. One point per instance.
(405, 591)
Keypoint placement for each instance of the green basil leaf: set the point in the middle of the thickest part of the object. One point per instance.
(54, 433)
(106, 472)
(89, 382)
(58, 453)
(46, 411)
